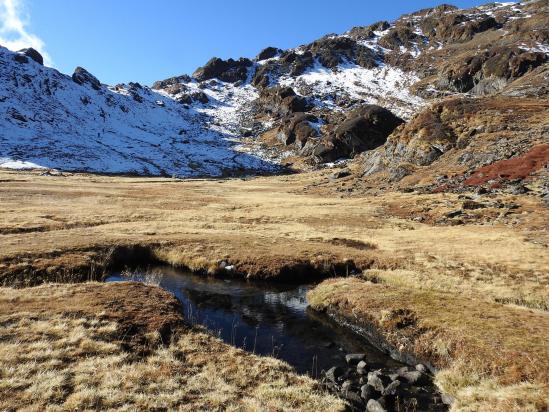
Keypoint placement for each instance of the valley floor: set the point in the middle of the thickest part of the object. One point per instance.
(467, 294)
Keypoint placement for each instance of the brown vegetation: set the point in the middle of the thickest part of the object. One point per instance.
(72, 228)
(124, 347)
(518, 167)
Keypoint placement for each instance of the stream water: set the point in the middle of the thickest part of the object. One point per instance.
(266, 318)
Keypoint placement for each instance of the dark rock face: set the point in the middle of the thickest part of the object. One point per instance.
(489, 71)
(186, 98)
(268, 53)
(333, 51)
(172, 81)
(200, 97)
(33, 54)
(399, 36)
(20, 58)
(82, 76)
(367, 32)
(229, 71)
(365, 129)
(282, 101)
(294, 63)
(455, 27)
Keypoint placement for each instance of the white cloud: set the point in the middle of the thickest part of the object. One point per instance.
(13, 29)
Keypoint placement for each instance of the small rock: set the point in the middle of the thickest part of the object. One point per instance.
(333, 373)
(354, 358)
(454, 213)
(339, 174)
(391, 388)
(394, 376)
(472, 205)
(375, 381)
(367, 392)
(362, 367)
(519, 190)
(374, 406)
(412, 377)
(421, 368)
(345, 386)
(447, 399)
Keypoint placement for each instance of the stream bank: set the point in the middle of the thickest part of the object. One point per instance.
(274, 319)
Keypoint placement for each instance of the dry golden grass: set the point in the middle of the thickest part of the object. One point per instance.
(64, 228)
(56, 357)
(56, 226)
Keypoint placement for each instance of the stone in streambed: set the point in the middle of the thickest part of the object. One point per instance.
(354, 358)
(391, 389)
(421, 368)
(345, 386)
(362, 367)
(412, 377)
(333, 373)
(374, 406)
(375, 381)
(368, 392)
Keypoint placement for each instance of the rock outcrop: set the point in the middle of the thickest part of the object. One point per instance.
(364, 129)
(81, 76)
(33, 54)
(281, 101)
(229, 71)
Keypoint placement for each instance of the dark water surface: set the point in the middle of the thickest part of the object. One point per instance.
(267, 318)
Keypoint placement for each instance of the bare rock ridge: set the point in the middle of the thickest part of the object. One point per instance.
(337, 98)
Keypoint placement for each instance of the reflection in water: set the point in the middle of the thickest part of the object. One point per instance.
(267, 319)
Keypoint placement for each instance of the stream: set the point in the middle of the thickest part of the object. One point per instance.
(266, 318)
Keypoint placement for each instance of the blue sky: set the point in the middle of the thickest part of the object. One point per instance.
(145, 40)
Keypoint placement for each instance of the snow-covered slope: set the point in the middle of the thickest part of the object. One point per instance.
(223, 119)
(48, 120)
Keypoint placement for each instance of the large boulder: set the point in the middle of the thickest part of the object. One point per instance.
(82, 76)
(364, 129)
(229, 71)
(33, 54)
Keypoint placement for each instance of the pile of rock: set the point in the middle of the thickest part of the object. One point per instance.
(378, 390)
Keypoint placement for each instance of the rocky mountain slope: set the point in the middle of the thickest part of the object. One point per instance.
(334, 99)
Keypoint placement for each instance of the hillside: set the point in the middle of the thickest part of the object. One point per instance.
(301, 107)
